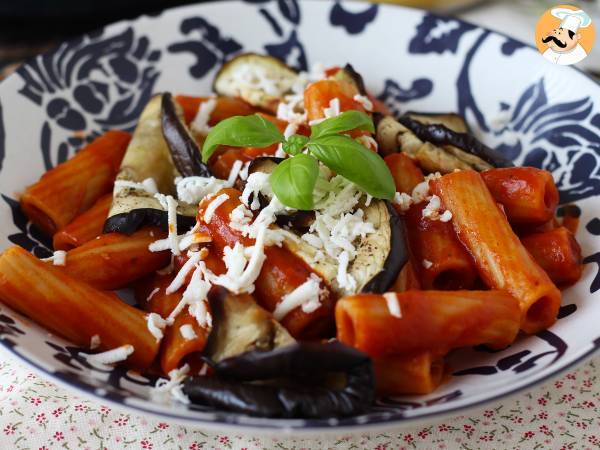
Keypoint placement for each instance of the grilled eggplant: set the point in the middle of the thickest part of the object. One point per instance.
(381, 255)
(298, 221)
(240, 325)
(147, 156)
(347, 73)
(296, 381)
(436, 147)
(453, 121)
(260, 80)
(185, 153)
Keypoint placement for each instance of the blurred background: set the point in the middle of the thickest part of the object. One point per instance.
(29, 27)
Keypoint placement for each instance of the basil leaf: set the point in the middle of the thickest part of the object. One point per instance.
(346, 121)
(294, 144)
(293, 181)
(241, 131)
(355, 162)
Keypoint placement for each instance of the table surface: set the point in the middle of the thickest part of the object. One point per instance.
(565, 413)
(561, 414)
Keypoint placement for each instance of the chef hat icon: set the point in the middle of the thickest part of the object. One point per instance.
(572, 19)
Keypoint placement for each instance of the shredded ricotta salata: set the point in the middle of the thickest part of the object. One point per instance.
(393, 304)
(113, 356)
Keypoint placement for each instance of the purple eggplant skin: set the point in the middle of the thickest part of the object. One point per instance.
(397, 257)
(356, 78)
(232, 389)
(186, 154)
(441, 135)
(299, 221)
(129, 222)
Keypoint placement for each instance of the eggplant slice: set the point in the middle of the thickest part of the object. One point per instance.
(453, 121)
(298, 221)
(240, 325)
(347, 73)
(303, 380)
(436, 147)
(380, 255)
(185, 153)
(147, 156)
(260, 80)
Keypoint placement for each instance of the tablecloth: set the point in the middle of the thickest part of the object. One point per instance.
(36, 414)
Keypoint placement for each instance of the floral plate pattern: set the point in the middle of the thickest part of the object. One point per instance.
(534, 112)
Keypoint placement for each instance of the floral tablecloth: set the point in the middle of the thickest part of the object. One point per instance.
(36, 414)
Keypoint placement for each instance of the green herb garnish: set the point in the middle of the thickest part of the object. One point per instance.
(294, 179)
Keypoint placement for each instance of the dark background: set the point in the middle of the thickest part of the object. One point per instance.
(28, 27)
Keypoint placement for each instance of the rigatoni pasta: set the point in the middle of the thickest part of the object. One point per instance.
(72, 308)
(72, 187)
(501, 259)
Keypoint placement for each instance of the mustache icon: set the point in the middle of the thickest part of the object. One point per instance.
(555, 40)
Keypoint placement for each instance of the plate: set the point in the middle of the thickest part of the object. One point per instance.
(534, 112)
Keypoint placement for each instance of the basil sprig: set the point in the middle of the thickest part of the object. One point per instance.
(293, 180)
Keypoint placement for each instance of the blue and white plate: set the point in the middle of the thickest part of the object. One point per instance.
(536, 113)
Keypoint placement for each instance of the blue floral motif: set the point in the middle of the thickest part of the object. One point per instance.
(29, 237)
(561, 138)
(396, 404)
(290, 10)
(521, 361)
(394, 95)
(593, 227)
(210, 48)
(107, 80)
(74, 358)
(291, 51)
(352, 22)
(437, 34)
(8, 327)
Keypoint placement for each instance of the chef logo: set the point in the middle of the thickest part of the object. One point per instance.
(565, 35)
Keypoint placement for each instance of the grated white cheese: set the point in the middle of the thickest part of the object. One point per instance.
(234, 172)
(193, 189)
(111, 356)
(364, 101)
(403, 200)
(152, 294)
(291, 109)
(148, 185)
(191, 239)
(179, 279)
(332, 111)
(244, 172)
(432, 209)
(95, 342)
(172, 242)
(257, 182)
(200, 122)
(393, 304)
(172, 386)
(420, 192)
(344, 279)
(59, 258)
(255, 76)
(446, 216)
(427, 264)
(213, 205)
(307, 296)
(196, 291)
(199, 310)
(187, 332)
(242, 272)
(156, 325)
